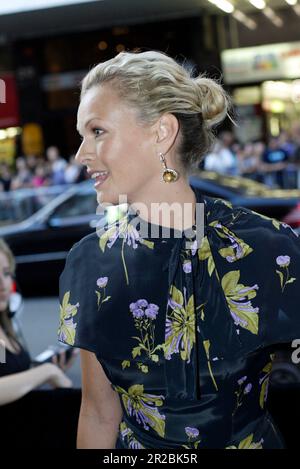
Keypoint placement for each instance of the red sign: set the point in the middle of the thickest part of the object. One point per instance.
(9, 102)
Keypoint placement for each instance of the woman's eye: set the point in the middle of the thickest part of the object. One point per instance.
(97, 131)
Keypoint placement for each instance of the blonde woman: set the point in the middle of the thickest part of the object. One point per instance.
(176, 312)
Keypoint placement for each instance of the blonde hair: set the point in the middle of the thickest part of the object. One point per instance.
(5, 249)
(155, 84)
(5, 321)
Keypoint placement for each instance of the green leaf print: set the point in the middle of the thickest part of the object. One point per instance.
(206, 344)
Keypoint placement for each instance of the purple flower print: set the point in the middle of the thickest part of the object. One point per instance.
(187, 267)
(145, 314)
(283, 261)
(248, 388)
(192, 432)
(194, 247)
(142, 303)
(68, 330)
(151, 312)
(242, 390)
(102, 282)
(241, 380)
(101, 296)
(138, 313)
(173, 304)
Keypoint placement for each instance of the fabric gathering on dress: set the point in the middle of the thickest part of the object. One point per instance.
(186, 335)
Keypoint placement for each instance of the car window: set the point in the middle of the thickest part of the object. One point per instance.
(76, 205)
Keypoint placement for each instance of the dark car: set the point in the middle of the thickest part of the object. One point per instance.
(41, 243)
(241, 191)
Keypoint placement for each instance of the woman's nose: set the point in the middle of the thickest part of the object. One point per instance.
(79, 154)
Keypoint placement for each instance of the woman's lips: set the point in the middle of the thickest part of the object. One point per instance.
(100, 179)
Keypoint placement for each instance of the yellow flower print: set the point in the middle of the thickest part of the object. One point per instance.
(180, 325)
(67, 328)
(143, 407)
(238, 297)
(248, 443)
(204, 253)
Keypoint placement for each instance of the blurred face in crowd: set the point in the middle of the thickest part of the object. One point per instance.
(40, 171)
(248, 150)
(113, 140)
(258, 148)
(6, 281)
(52, 153)
(21, 164)
(226, 139)
(274, 143)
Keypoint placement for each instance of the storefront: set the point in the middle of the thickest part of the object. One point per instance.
(9, 117)
(265, 85)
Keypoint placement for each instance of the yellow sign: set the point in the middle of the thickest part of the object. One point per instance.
(32, 139)
(7, 150)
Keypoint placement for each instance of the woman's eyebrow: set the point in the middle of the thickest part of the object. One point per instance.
(87, 122)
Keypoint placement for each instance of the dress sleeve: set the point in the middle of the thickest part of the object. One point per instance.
(77, 296)
(283, 323)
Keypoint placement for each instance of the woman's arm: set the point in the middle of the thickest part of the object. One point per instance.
(15, 386)
(101, 411)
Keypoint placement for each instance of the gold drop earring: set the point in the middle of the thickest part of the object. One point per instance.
(169, 175)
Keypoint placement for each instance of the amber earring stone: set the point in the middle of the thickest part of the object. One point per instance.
(169, 175)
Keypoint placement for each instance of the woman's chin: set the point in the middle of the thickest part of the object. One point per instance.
(107, 199)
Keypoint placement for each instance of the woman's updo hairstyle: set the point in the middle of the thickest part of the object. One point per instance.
(155, 84)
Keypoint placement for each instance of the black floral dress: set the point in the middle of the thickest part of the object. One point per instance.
(186, 335)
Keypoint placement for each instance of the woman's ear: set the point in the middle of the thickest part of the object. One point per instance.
(167, 128)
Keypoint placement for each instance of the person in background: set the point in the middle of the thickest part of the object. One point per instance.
(274, 162)
(57, 165)
(40, 178)
(72, 171)
(32, 162)
(295, 133)
(222, 159)
(248, 161)
(5, 177)
(17, 378)
(23, 176)
(287, 143)
(29, 415)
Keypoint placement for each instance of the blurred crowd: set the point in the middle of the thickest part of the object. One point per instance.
(32, 171)
(275, 163)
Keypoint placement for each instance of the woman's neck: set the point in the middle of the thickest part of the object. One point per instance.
(172, 205)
